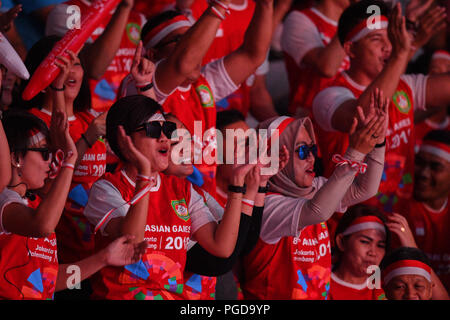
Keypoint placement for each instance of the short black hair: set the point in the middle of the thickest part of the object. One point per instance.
(17, 125)
(129, 112)
(355, 13)
(227, 117)
(156, 20)
(442, 136)
(404, 253)
(35, 56)
(354, 212)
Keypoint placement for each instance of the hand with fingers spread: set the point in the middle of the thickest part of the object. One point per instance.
(429, 24)
(365, 138)
(399, 225)
(398, 35)
(124, 251)
(416, 8)
(132, 154)
(379, 106)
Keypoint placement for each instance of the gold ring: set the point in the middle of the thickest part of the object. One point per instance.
(402, 229)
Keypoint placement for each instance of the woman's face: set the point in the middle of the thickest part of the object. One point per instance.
(185, 168)
(303, 169)
(363, 249)
(409, 287)
(33, 168)
(157, 150)
(74, 80)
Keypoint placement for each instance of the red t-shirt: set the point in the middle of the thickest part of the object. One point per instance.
(75, 234)
(293, 268)
(430, 229)
(159, 274)
(29, 266)
(341, 290)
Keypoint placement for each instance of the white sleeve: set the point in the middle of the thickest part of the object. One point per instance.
(160, 96)
(418, 85)
(103, 197)
(300, 35)
(264, 67)
(216, 209)
(218, 79)
(276, 226)
(7, 197)
(326, 102)
(198, 211)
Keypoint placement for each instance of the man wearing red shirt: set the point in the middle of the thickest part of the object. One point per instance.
(428, 215)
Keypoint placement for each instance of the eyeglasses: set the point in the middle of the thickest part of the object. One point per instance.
(45, 152)
(153, 129)
(304, 150)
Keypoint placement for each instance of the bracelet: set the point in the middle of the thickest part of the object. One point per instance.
(220, 4)
(68, 165)
(58, 89)
(263, 189)
(247, 202)
(380, 145)
(144, 87)
(237, 189)
(86, 140)
(217, 13)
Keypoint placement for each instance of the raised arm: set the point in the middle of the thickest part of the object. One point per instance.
(187, 56)
(134, 222)
(99, 55)
(41, 222)
(5, 159)
(341, 189)
(241, 63)
(387, 80)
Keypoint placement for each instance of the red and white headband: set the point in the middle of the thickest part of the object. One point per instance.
(161, 31)
(278, 124)
(35, 137)
(366, 27)
(441, 54)
(365, 223)
(406, 267)
(439, 149)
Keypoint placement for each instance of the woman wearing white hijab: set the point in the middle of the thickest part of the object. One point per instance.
(292, 258)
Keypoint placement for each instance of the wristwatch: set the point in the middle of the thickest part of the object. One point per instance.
(237, 189)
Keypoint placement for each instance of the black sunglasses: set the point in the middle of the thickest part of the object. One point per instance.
(45, 152)
(153, 129)
(304, 150)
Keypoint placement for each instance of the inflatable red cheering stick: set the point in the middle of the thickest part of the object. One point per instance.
(73, 40)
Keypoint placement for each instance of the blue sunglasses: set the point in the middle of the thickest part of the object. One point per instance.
(304, 150)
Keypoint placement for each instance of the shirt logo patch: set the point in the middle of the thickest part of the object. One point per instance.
(181, 209)
(205, 95)
(402, 102)
(134, 32)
